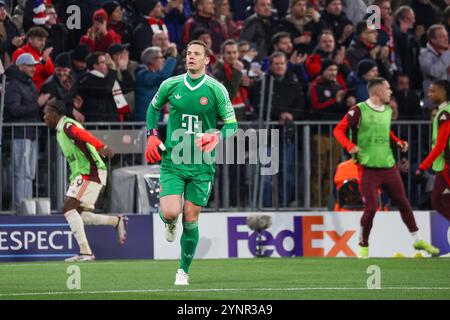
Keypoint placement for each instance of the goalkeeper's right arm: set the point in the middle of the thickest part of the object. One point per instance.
(153, 142)
(152, 117)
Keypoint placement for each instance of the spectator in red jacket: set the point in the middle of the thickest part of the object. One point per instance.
(326, 49)
(36, 38)
(116, 21)
(329, 99)
(98, 37)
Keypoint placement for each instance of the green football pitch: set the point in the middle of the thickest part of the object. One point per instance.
(263, 278)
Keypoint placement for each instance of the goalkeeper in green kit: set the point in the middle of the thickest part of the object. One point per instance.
(196, 103)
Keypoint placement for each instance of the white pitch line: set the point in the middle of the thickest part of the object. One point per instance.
(209, 290)
(25, 264)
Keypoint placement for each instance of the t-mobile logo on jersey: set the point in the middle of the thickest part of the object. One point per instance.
(192, 123)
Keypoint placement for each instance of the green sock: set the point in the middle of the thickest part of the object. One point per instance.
(165, 220)
(189, 241)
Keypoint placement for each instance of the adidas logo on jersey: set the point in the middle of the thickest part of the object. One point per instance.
(177, 96)
(443, 117)
(351, 113)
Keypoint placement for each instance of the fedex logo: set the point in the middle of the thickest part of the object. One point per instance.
(302, 235)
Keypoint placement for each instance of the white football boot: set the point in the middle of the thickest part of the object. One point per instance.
(181, 278)
(81, 258)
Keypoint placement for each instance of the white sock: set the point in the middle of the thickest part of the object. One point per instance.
(90, 218)
(77, 227)
(416, 236)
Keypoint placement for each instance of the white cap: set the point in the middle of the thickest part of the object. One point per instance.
(26, 58)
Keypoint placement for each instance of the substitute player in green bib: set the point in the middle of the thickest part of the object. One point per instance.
(370, 125)
(196, 103)
(439, 157)
(87, 177)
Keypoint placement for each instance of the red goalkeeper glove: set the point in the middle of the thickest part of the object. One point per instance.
(151, 152)
(207, 141)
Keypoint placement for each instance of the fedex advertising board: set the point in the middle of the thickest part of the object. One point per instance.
(329, 234)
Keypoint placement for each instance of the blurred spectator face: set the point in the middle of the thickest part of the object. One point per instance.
(285, 45)
(2, 13)
(327, 43)
(402, 84)
(440, 40)
(385, 10)
(29, 70)
(207, 8)
(278, 66)
(230, 54)
(158, 11)
(101, 65)
(196, 58)
(299, 9)
(37, 43)
(371, 74)
(158, 63)
(52, 16)
(331, 73)
(436, 94)
(79, 65)
(206, 38)
(243, 49)
(263, 8)
(161, 39)
(62, 73)
(100, 25)
(335, 8)
(409, 19)
(370, 36)
(116, 15)
(225, 8)
(123, 55)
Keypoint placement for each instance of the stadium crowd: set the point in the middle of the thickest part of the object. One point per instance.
(321, 54)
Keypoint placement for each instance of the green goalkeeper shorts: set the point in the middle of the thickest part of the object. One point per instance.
(195, 186)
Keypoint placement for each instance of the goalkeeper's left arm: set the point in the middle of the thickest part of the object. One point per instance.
(229, 129)
(208, 141)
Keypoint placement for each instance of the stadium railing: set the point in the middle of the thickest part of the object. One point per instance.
(308, 156)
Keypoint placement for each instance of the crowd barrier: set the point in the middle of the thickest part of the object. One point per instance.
(307, 152)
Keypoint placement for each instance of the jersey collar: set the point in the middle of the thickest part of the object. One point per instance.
(60, 124)
(443, 105)
(186, 83)
(374, 106)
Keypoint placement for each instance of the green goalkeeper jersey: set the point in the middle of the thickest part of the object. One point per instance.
(195, 106)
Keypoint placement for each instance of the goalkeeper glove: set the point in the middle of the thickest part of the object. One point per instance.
(207, 141)
(153, 143)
